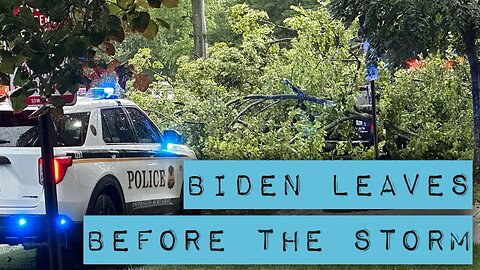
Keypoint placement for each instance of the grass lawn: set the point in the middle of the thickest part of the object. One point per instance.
(21, 259)
(476, 266)
(18, 259)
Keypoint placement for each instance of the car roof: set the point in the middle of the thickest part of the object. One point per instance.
(87, 104)
(84, 104)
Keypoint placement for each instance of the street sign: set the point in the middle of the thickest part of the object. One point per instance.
(372, 72)
(36, 100)
(42, 19)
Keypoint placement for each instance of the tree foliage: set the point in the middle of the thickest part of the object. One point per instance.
(175, 39)
(224, 104)
(398, 29)
(58, 51)
(234, 104)
(278, 11)
(427, 111)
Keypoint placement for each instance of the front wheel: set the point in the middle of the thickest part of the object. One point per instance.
(104, 206)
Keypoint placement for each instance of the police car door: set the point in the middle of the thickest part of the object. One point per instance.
(162, 177)
(129, 163)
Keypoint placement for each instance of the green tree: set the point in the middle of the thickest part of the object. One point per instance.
(234, 105)
(58, 52)
(175, 39)
(398, 28)
(427, 111)
(278, 11)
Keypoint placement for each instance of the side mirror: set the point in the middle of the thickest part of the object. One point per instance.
(172, 136)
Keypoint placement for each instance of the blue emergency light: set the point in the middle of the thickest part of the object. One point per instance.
(103, 93)
(63, 222)
(22, 222)
(26, 222)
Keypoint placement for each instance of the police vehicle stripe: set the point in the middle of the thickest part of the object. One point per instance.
(122, 154)
(98, 160)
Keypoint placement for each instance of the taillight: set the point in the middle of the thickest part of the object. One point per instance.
(60, 166)
(371, 127)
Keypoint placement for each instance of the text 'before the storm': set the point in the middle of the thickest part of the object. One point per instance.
(278, 239)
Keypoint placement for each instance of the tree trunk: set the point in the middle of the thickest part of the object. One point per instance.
(199, 28)
(471, 49)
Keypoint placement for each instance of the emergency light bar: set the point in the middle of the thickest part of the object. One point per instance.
(98, 93)
(106, 92)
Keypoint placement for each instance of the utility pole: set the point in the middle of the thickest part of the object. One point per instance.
(50, 188)
(372, 75)
(199, 28)
(374, 117)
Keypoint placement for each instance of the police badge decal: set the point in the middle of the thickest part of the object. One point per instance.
(171, 177)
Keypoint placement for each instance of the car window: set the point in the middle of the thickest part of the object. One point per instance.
(72, 129)
(17, 130)
(115, 126)
(146, 131)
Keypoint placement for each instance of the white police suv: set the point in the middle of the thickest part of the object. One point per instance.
(110, 159)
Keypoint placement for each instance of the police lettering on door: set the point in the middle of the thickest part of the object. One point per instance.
(150, 178)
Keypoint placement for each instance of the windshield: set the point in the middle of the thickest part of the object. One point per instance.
(17, 130)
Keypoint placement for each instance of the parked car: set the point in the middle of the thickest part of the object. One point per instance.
(110, 159)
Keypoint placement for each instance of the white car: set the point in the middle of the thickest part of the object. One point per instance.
(110, 159)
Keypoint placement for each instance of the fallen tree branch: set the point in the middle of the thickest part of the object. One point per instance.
(269, 43)
(406, 134)
(233, 101)
(269, 106)
(338, 122)
(294, 97)
(359, 115)
(277, 25)
(299, 95)
(349, 115)
(246, 109)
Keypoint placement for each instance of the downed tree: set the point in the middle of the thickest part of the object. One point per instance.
(251, 102)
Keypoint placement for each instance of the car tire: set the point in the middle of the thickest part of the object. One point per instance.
(104, 206)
